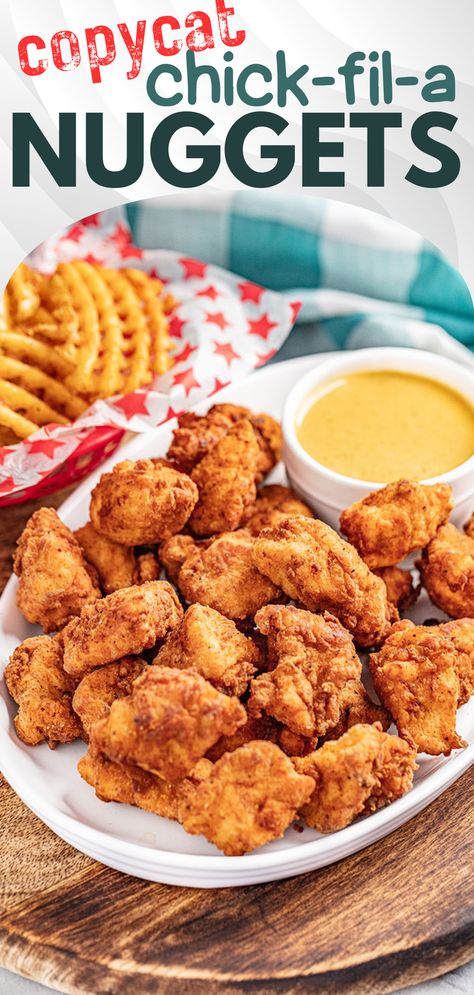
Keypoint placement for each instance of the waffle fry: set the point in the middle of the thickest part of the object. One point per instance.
(23, 293)
(39, 383)
(136, 333)
(28, 405)
(35, 351)
(149, 290)
(12, 421)
(85, 332)
(108, 379)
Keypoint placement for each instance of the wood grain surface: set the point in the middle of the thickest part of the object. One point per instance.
(395, 914)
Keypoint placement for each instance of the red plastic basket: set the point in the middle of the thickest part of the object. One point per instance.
(98, 444)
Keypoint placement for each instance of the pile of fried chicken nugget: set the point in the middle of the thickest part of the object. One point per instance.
(229, 697)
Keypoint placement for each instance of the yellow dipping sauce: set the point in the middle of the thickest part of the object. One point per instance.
(383, 425)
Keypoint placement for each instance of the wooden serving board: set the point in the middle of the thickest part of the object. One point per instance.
(395, 914)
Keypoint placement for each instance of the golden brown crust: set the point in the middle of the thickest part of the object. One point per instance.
(318, 569)
(416, 679)
(116, 564)
(37, 682)
(447, 571)
(142, 501)
(122, 624)
(360, 772)
(390, 523)
(224, 576)
(148, 567)
(55, 582)
(225, 479)
(401, 589)
(469, 527)
(274, 503)
(175, 550)
(311, 657)
(169, 721)
(250, 798)
(208, 642)
(114, 782)
(357, 707)
(196, 435)
(96, 691)
(461, 634)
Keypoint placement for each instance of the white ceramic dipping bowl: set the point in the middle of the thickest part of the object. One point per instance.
(328, 492)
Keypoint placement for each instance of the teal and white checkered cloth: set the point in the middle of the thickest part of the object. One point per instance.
(364, 280)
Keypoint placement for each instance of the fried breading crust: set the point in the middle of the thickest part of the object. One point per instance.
(249, 798)
(56, 582)
(196, 435)
(415, 677)
(169, 721)
(357, 774)
(174, 551)
(401, 590)
(226, 482)
(36, 680)
(208, 642)
(142, 501)
(447, 571)
(274, 503)
(224, 576)
(114, 782)
(390, 523)
(116, 565)
(356, 708)
(96, 692)
(122, 624)
(312, 658)
(461, 634)
(315, 567)
(469, 527)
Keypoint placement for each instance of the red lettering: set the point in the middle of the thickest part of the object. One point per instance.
(201, 37)
(223, 14)
(160, 46)
(74, 51)
(96, 60)
(134, 48)
(23, 55)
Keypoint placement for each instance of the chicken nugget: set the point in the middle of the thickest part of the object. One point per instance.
(274, 503)
(174, 551)
(130, 785)
(264, 728)
(315, 567)
(168, 722)
(224, 576)
(461, 634)
(226, 482)
(196, 435)
(43, 692)
(390, 523)
(312, 658)
(356, 708)
(357, 774)
(210, 643)
(56, 582)
(469, 527)
(148, 567)
(401, 590)
(116, 564)
(250, 798)
(122, 624)
(447, 571)
(141, 502)
(416, 679)
(96, 691)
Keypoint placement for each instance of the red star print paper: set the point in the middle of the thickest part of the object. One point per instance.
(222, 328)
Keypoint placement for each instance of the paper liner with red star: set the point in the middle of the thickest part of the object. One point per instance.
(222, 328)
